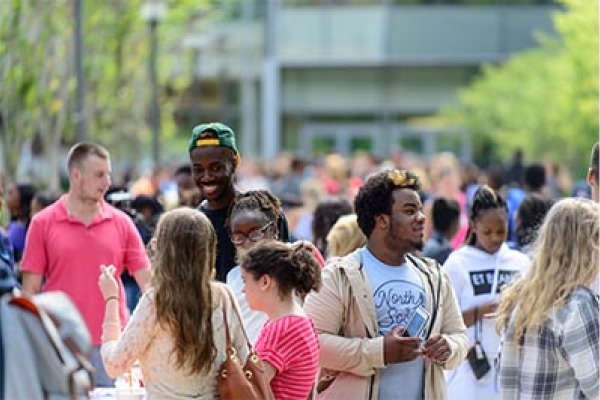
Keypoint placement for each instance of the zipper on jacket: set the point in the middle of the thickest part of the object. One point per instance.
(371, 386)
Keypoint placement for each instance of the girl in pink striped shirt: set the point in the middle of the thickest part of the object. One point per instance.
(271, 272)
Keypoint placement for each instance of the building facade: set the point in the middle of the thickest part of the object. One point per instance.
(319, 76)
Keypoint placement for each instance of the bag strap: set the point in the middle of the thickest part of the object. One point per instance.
(228, 346)
(227, 293)
(56, 341)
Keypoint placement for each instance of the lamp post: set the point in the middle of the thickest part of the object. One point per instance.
(80, 116)
(152, 12)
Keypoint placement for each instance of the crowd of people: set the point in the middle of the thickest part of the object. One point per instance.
(376, 280)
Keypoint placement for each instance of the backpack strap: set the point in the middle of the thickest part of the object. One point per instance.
(51, 326)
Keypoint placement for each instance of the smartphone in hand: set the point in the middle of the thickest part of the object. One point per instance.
(416, 324)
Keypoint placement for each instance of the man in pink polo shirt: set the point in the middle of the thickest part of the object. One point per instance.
(69, 240)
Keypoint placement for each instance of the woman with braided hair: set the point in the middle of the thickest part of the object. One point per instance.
(252, 220)
(478, 270)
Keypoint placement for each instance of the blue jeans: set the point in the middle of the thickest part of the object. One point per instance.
(101, 379)
(132, 291)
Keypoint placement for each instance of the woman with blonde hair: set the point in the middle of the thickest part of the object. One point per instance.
(177, 330)
(344, 237)
(550, 316)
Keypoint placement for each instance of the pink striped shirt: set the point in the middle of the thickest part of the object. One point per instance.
(290, 344)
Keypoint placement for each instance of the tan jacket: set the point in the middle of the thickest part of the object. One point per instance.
(344, 315)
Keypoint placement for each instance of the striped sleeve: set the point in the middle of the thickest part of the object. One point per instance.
(290, 344)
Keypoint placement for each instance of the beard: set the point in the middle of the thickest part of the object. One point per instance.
(418, 245)
(395, 237)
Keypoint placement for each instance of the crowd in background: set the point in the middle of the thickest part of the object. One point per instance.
(480, 225)
(314, 194)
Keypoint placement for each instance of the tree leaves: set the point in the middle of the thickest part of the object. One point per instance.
(545, 100)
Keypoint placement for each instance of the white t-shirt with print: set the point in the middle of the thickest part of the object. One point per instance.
(477, 277)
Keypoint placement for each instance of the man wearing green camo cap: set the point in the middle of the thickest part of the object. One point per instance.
(214, 158)
(214, 134)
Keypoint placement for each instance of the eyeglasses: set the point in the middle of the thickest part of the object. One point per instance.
(239, 238)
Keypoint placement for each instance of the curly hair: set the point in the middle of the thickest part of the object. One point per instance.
(375, 196)
(565, 256)
(182, 269)
(484, 199)
(292, 266)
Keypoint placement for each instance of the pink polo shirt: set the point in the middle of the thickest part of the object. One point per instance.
(69, 255)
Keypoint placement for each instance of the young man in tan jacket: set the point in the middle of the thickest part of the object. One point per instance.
(388, 321)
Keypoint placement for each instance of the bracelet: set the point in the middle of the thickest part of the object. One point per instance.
(111, 298)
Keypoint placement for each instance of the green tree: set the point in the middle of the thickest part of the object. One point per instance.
(37, 73)
(36, 80)
(544, 101)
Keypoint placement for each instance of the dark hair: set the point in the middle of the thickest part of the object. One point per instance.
(444, 213)
(326, 214)
(594, 162)
(495, 176)
(81, 151)
(531, 212)
(26, 193)
(298, 164)
(257, 200)
(485, 199)
(45, 198)
(293, 266)
(141, 202)
(534, 177)
(375, 195)
(185, 169)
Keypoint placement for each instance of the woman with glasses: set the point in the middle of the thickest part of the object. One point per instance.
(251, 221)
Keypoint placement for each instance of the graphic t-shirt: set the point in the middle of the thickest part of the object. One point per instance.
(397, 291)
(477, 277)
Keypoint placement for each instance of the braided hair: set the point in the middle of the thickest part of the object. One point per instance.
(257, 200)
(485, 199)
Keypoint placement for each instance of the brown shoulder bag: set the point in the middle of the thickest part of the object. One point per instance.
(234, 380)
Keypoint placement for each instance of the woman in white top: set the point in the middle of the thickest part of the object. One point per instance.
(477, 271)
(176, 331)
(251, 221)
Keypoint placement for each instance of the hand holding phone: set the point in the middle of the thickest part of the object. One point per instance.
(416, 324)
(398, 349)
